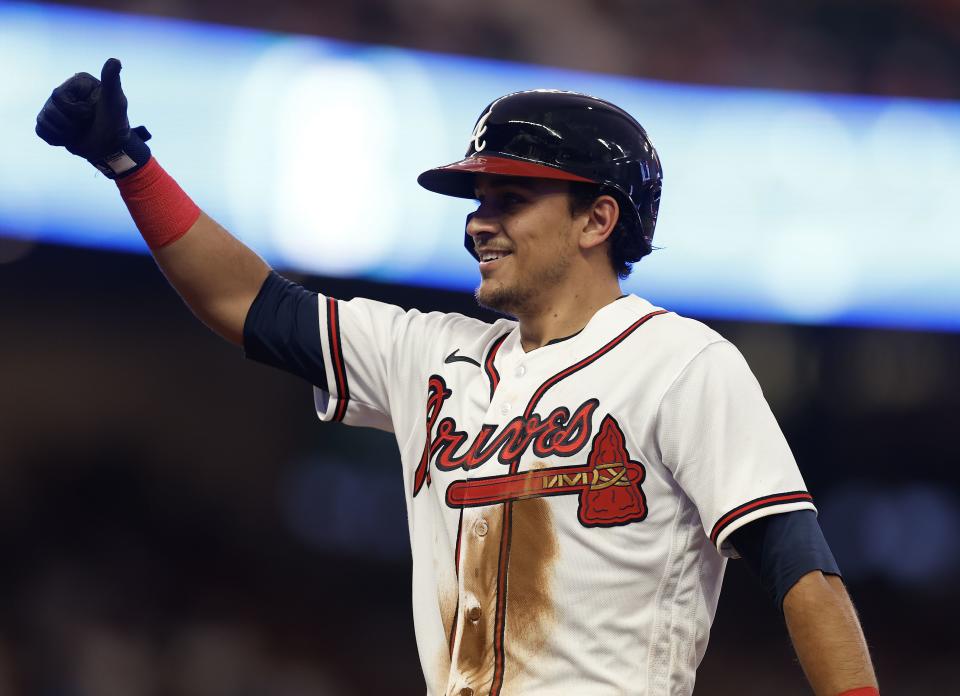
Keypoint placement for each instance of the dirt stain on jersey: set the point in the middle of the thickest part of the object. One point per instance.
(447, 603)
(444, 566)
(530, 608)
(442, 674)
(480, 560)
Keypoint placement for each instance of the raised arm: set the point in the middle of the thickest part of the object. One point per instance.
(215, 274)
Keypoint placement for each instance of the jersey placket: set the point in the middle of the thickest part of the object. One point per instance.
(477, 660)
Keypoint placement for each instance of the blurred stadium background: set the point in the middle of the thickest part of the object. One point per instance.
(174, 521)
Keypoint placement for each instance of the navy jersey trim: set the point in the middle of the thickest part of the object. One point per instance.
(492, 375)
(757, 504)
(336, 355)
(500, 659)
(456, 566)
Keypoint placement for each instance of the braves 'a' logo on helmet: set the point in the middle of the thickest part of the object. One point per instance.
(479, 130)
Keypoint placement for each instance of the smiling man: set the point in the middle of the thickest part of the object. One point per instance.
(528, 241)
(576, 473)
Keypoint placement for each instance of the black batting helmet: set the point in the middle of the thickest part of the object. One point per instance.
(552, 134)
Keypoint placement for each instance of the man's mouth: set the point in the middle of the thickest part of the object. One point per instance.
(489, 257)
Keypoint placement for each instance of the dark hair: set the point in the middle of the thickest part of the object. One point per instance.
(626, 246)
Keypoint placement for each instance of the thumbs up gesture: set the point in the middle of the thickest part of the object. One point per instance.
(88, 117)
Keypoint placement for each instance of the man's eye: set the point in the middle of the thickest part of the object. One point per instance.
(503, 200)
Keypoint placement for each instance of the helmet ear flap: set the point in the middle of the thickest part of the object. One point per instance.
(634, 224)
(468, 240)
(652, 209)
(647, 213)
(653, 202)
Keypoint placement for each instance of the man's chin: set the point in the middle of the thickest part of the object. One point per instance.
(498, 298)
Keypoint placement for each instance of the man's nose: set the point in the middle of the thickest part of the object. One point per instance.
(480, 224)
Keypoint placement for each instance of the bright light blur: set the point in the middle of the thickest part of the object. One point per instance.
(777, 206)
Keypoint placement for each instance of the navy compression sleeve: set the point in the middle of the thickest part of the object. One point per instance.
(781, 549)
(282, 329)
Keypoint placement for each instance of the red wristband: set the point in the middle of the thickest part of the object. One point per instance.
(161, 210)
(862, 691)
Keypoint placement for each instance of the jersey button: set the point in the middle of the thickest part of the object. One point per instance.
(482, 528)
(474, 614)
(521, 371)
(505, 409)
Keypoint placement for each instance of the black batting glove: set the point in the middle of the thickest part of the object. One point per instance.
(89, 117)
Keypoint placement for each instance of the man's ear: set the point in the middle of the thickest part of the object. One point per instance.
(599, 221)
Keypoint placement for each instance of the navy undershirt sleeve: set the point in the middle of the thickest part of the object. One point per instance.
(282, 329)
(781, 549)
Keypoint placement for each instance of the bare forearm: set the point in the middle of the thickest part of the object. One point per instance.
(827, 636)
(215, 274)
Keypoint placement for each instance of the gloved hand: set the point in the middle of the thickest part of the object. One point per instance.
(89, 117)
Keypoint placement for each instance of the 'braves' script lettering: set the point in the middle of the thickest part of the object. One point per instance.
(559, 434)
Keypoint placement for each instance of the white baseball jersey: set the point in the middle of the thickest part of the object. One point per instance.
(569, 507)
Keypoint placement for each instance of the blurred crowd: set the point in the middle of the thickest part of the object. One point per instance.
(889, 47)
(166, 526)
(116, 583)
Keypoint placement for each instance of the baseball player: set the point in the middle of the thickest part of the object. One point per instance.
(577, 472)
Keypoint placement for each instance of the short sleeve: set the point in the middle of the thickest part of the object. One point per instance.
(376, 356)
(721, 442)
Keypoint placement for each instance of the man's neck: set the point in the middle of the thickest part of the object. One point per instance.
(565, 313)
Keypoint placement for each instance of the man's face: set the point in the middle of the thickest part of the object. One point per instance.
(525, 228)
